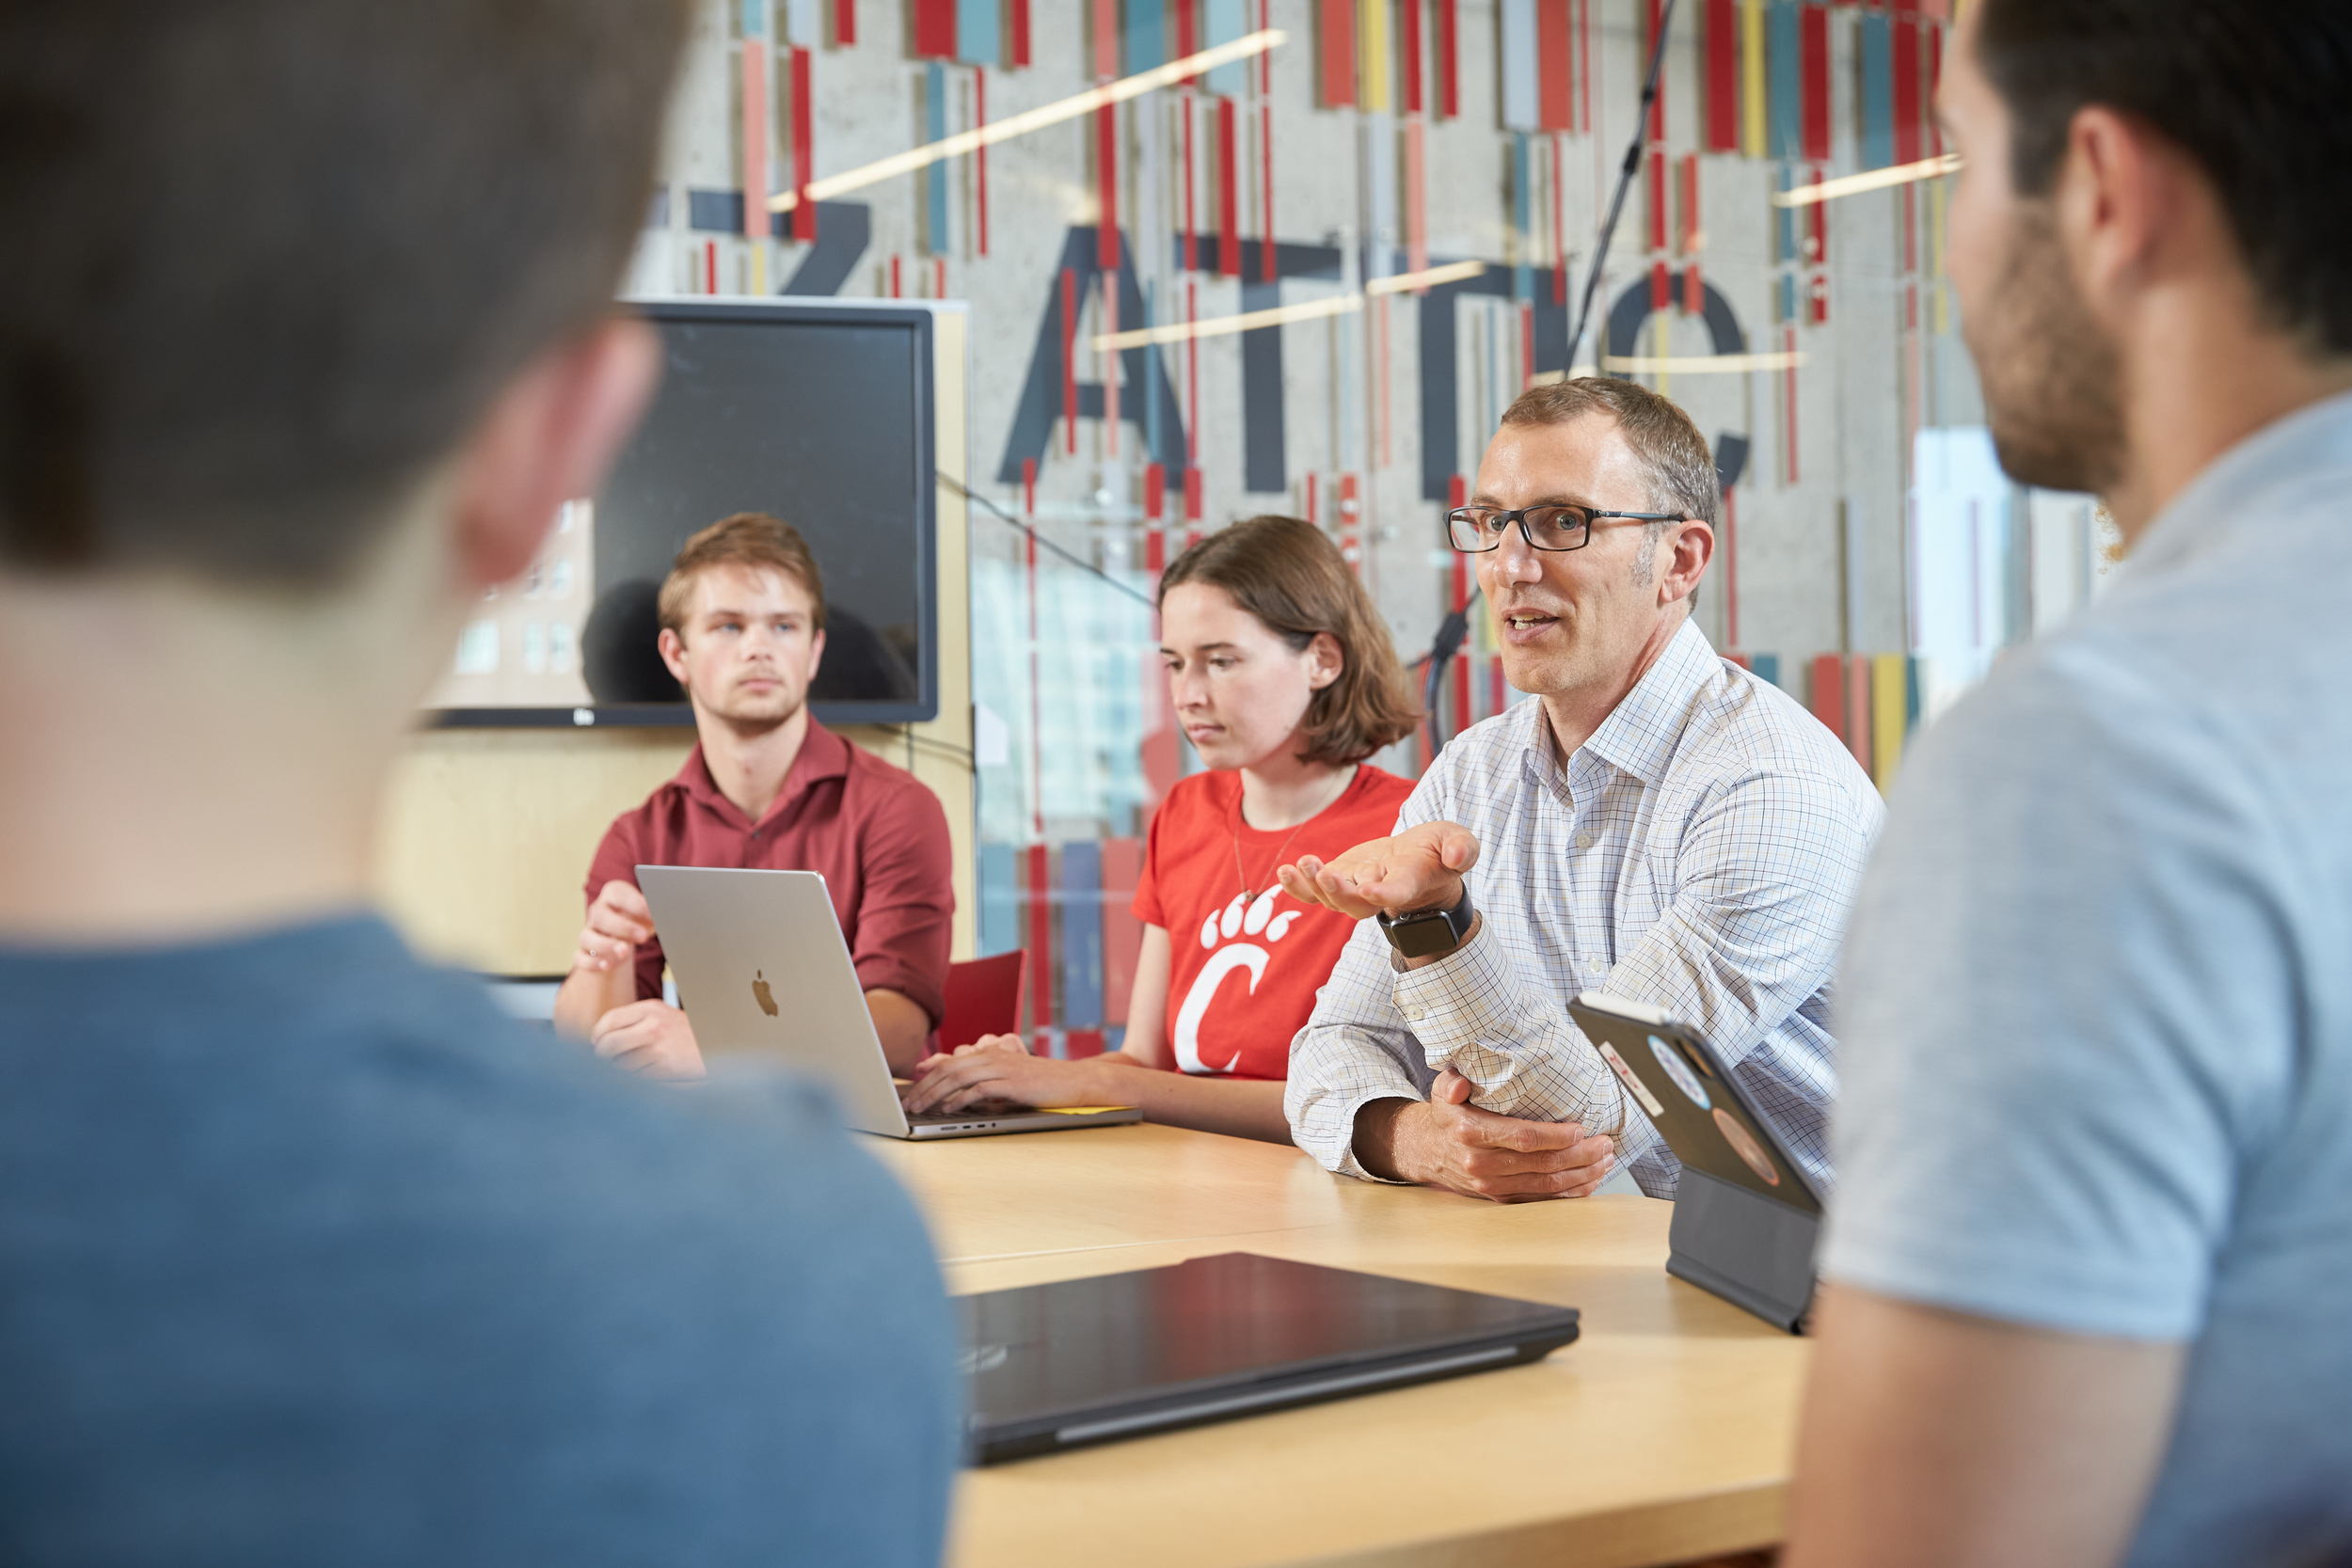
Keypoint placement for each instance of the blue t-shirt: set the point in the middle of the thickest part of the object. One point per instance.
(2096, 1009)
(308, 1257)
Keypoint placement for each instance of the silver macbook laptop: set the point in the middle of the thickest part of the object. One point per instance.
(761, 969)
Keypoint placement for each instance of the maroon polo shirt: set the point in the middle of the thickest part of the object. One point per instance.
(876, 834)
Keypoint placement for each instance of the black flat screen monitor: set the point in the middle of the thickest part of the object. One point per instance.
(819, 414)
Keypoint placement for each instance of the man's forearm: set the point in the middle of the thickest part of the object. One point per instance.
(902, 1025)
(588, 994)
(1381, 1126)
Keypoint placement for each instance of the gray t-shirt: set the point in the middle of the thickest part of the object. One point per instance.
(2096, 1008)
(308, 1256)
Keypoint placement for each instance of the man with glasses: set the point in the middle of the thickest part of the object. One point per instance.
(1660, 824)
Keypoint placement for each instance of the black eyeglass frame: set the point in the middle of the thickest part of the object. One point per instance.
(1589, 514)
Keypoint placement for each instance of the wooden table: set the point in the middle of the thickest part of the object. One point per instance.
(1664, 1434)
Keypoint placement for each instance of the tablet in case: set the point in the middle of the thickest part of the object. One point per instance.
(1746, 1216)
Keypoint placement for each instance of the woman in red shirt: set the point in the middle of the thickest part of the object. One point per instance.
(1285, 679)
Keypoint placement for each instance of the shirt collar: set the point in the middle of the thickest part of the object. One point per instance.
(823, 755)
(2225, 497)
(1641, 732)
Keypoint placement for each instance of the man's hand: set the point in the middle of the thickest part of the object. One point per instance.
(1452, 1144)
(617, 921)
(651, 1038)
(999, 1068)
(1420, 868)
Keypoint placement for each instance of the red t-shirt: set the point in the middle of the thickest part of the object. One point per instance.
(1283, 949)
(874, 830)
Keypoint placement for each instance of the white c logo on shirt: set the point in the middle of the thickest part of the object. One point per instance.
(1250, 919)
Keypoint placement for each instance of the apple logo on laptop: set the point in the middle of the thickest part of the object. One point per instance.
(761, 994)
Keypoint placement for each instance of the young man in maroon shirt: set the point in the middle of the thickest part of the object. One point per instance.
(767, 789)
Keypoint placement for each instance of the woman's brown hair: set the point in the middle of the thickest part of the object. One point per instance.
(1288, 574)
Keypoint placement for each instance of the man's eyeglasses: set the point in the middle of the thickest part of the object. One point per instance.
(1477, 528)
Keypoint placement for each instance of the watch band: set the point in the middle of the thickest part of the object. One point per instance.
(1429, 933)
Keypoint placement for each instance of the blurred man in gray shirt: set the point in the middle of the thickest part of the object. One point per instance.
(306, 1255)
(2091, 1244)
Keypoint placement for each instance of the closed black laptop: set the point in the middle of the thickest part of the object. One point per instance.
(1119, 1355)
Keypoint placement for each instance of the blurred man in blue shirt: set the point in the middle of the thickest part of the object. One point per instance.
(306, 1256)
(2092, 1237)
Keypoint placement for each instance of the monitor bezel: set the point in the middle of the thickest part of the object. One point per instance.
(924, 705)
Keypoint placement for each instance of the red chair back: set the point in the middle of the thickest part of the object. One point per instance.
(983, 998)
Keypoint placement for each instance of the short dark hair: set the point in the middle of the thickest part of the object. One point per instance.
(2259, 92)
(747, 539)
(1287, 572)
(1683, 476)
(269, 259)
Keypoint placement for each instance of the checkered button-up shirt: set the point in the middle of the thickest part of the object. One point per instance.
(1700, 852)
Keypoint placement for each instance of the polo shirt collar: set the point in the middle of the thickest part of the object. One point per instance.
(823, 755)
(2225, 499)
(1642, 731)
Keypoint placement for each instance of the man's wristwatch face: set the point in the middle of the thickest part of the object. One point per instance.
(1427, 933)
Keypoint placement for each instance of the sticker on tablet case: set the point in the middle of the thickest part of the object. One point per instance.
(1634, 1086)
(1679, 1071)
(1743, 1143)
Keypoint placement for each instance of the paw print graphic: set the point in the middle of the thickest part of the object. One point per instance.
(1243, 917)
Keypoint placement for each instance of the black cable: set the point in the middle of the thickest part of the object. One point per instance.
(1625, 181)
(1456, 625)
(1006, 516)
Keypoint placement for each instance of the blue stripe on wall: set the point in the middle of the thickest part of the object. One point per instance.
(1785, 60)
(1223, 23)
(1878, 90)
(935, 128)
(1146, 35)
(978, 26)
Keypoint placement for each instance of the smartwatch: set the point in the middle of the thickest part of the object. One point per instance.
(1429, 933)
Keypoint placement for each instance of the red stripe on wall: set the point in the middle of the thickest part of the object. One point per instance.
(1722, 76)
(1813, 56)
(935, 29)
(1107, 182)
(1416, 198)
(1858, 709)
(1188, 32)
(1555, 103)
(1661, 287)
(1908, 128)
(845, 24)
(1020, 30)
(804, 147)
(1829, 693)
(1692, 234)
(1409, 19)
(1335, 45)
(755, 53)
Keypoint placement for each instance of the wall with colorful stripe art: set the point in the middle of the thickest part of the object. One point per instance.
(1305, 276)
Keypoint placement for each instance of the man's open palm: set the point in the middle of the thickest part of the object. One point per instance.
(1420, 868)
